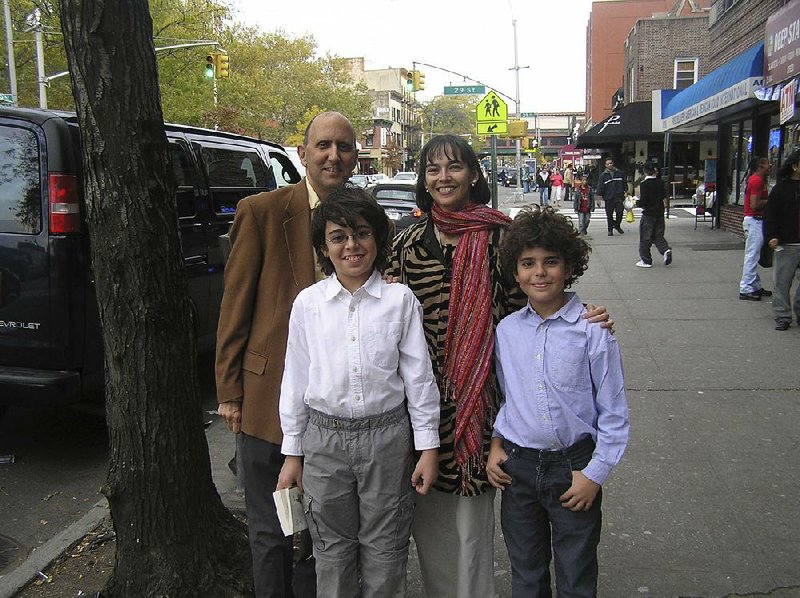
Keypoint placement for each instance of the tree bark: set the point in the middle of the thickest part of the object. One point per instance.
(174, 536)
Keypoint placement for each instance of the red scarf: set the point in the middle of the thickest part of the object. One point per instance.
(469, 343)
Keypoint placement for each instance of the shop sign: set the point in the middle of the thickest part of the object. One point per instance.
(788, 94)
(782, 44)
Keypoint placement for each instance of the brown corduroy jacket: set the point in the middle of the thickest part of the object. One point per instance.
(271, 261)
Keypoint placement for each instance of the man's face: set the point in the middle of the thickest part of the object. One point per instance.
(609, 164)
(330, 155)
(763, 167)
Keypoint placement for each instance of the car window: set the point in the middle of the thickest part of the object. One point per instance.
(183, 171)
(20, 182)
(395, 194)
(233, 173)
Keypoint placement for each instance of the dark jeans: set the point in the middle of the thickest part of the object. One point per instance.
(651, 232)
(272, 551)
(533, 520)
(614, 212)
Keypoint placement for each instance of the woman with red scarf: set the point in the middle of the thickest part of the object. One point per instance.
(450, 261)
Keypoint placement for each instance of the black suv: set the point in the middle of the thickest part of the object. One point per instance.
(50, 341)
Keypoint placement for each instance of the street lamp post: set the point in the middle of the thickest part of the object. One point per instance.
(516, 68)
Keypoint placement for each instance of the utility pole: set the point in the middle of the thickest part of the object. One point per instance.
(516, 68)
(12, 65)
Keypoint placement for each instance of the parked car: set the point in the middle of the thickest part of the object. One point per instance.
(374, 179)
(399, 200)
(50, 338)
(359, 180)
(404, 177)
(291, 151)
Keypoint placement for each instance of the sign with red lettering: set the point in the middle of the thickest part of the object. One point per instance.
(788, 94)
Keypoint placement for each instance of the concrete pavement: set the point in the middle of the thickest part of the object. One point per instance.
(704, 503)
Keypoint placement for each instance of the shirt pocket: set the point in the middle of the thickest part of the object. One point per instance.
(568, 370)
(383, 340)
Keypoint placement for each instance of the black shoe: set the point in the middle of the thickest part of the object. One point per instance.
(781, 325)
(619, 230)
(668, 257)
(749, 296)
(611, 233)
(764, 293)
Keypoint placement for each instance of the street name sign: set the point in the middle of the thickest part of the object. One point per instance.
(464, 90)
(491, 115)
(528, 115)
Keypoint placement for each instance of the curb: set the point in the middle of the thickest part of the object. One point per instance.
(45, 555)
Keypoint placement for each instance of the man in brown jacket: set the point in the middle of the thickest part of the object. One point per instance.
(271, 261)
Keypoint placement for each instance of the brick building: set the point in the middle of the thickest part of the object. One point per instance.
(608, 27)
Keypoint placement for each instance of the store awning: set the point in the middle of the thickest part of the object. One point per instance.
(732, 83)
(629, 123)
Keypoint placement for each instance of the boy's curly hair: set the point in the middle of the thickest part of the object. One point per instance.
(549, 230)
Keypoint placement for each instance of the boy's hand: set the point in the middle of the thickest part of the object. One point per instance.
(580, 496)
(291, 474)
(390, 279)
(497, 456)
(426, 471)
(599, 315)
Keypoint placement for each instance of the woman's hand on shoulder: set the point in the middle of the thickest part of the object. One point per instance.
(599, 315)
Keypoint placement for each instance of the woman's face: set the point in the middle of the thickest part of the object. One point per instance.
(448, 180)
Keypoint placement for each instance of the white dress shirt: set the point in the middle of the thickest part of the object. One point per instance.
(357, 355)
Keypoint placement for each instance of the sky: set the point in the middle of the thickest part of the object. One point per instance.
(470, 37)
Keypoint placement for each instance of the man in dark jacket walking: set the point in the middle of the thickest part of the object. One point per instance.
(652, 225)
(611, 185)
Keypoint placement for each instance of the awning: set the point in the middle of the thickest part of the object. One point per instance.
(732, 83)
(629, 123)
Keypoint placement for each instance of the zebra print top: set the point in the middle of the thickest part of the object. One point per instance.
(419, 261)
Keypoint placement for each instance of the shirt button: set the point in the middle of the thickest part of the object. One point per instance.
(355, 369)
(358, 397)
(541, 387)
(544, 418)
(539, 356)
(352, 338)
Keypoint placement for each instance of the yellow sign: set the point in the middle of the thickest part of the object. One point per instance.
(491, 109)
(497, 128)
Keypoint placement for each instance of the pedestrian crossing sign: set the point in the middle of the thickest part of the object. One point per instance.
(492, 108)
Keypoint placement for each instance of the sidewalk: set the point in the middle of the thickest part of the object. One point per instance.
(704, 503)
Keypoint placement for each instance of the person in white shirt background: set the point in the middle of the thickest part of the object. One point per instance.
(357, 368)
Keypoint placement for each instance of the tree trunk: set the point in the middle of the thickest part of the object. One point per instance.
(174, 536)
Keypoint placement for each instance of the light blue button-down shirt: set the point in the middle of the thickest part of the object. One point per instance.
(562, 380)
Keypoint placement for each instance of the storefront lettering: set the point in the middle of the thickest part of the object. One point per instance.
(788, 35)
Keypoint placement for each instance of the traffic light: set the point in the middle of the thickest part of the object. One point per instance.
(533, 143)
(211, 66)
(517, 128)
(222, 65)
(418, 80)
(410, 81)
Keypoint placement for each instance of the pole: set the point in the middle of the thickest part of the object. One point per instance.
(518, 193)
(494, 170)
(40, 64)
(12, 65)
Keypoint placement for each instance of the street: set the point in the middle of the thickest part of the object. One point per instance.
(704, 503)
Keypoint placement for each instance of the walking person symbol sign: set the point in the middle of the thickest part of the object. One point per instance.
(491, 115)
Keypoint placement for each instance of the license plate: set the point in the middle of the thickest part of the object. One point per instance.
(393, 215)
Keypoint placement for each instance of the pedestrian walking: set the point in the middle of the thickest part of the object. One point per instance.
(782, 229)
(357, 367)
(569, 182)
(551, 469)
(543, 180)
(652, 224)
(611, 185)
(557, 188)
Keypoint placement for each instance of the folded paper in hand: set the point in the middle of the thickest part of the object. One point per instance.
(290, 510)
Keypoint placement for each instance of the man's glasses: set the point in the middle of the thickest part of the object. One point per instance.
(341, 238)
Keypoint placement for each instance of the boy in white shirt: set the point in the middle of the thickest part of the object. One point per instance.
(357, 366)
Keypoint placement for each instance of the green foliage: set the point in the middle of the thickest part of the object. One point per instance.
(276, 82)
(450, 114)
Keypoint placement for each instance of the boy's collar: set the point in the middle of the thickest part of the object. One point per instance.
(571, 310)
(372, 287)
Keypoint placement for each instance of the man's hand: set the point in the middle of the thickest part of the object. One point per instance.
(773, 243)
(599, 315)
(231, 411)
(580, 496)
(426, 471)
(497, 456)
(291, 473)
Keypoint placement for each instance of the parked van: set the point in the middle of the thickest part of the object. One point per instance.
(50, 338)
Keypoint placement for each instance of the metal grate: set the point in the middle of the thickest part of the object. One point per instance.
(10, 553)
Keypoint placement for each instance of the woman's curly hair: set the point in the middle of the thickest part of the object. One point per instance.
(549, 230)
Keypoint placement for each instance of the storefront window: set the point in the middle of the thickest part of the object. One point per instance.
(741, 154)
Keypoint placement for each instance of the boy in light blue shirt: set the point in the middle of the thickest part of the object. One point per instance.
(563, 424)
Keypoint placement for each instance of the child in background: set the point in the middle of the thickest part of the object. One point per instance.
(357, 366)
(583, 204)
(563, 424)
